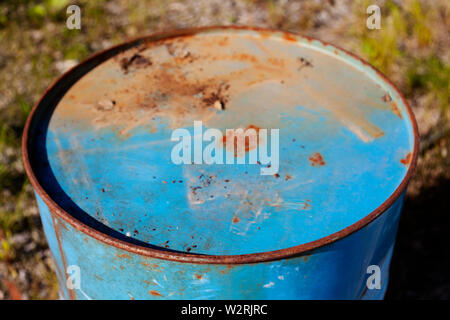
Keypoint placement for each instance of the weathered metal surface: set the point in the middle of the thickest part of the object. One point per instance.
(97, 149)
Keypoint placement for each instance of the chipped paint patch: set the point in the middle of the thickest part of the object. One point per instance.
(155, 293)
(316, 160)
(407, 160)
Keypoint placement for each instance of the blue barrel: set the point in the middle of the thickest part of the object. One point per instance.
(221, 163)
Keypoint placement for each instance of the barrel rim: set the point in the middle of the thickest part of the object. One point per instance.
(203, 258)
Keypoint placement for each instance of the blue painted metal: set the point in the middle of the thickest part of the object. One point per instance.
(97, 149)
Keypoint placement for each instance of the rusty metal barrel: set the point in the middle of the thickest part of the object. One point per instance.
(132, 210)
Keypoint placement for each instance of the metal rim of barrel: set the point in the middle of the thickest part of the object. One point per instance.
(299, 250)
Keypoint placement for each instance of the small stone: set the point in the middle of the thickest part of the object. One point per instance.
(65, 65)
(218, 105)
(386, 98)
(106, 104)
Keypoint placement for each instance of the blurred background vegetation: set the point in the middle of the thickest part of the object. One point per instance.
(411, 48)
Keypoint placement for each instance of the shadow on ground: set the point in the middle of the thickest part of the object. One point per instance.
(420, 266)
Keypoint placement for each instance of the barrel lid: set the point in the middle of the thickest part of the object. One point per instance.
(346, 142)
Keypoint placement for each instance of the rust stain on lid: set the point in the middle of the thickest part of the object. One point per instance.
(316, 160)
(407, 159)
